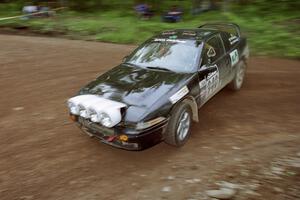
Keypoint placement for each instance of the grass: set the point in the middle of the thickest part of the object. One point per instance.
(272, 35)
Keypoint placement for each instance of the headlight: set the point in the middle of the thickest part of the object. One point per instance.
(73, 108)
(84, 107)
(74, 102)
(98, 109)
(100, 117)
(94, 116)
(144, 125)
(105, 120)
(83, 112)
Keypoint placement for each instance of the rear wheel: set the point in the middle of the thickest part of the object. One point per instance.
(238, 79)
(179, 126)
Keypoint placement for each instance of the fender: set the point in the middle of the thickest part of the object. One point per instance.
(192, 102)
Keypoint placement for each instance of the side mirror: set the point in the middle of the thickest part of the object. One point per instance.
(206, 69)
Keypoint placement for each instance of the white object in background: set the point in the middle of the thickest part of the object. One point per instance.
(30, 9)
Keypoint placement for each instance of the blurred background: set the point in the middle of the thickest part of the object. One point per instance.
(247, 142)
(272, 26)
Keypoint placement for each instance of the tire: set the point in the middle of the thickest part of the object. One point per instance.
(174, 135)
(239, 76)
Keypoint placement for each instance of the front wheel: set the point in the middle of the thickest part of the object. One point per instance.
(238, 79)
(179, 126)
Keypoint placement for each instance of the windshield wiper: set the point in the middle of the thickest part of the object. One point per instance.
(159, 68)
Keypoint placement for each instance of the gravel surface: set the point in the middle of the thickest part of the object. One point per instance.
(248, 139)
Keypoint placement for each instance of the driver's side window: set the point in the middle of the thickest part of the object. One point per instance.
(213, 49)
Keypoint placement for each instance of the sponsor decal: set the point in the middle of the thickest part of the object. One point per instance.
(202, 83)
(233, 39)
(209, 84)
(189, 33)
(168, 33)
(234, 56)
(178, 95)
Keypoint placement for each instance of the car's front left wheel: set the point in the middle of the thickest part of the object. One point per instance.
(179, 126)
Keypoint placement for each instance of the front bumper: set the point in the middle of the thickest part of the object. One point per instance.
(141, 139)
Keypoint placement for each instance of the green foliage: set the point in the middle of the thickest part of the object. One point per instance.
(274, 32)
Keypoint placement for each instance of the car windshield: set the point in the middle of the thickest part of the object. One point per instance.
(167, 54)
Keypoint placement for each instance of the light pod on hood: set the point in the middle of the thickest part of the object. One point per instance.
(108, 113)
(75, 101)
(84, 105)
(98, 109)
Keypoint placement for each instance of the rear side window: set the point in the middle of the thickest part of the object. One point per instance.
(213, 50)
(229, 40)
(225, 37)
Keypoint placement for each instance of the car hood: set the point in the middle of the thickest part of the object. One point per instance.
(135, 86)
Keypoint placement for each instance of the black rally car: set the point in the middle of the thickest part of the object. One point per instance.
(155, 94)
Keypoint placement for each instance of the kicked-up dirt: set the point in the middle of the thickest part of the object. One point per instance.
(250, 139)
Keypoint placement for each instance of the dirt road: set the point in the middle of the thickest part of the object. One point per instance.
(250, 138)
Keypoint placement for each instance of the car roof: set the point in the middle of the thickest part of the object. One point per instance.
(192, 34)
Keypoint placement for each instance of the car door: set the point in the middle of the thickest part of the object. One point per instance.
(214, 68)
(232, 56)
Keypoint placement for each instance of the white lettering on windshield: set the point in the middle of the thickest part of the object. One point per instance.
(168, 40)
